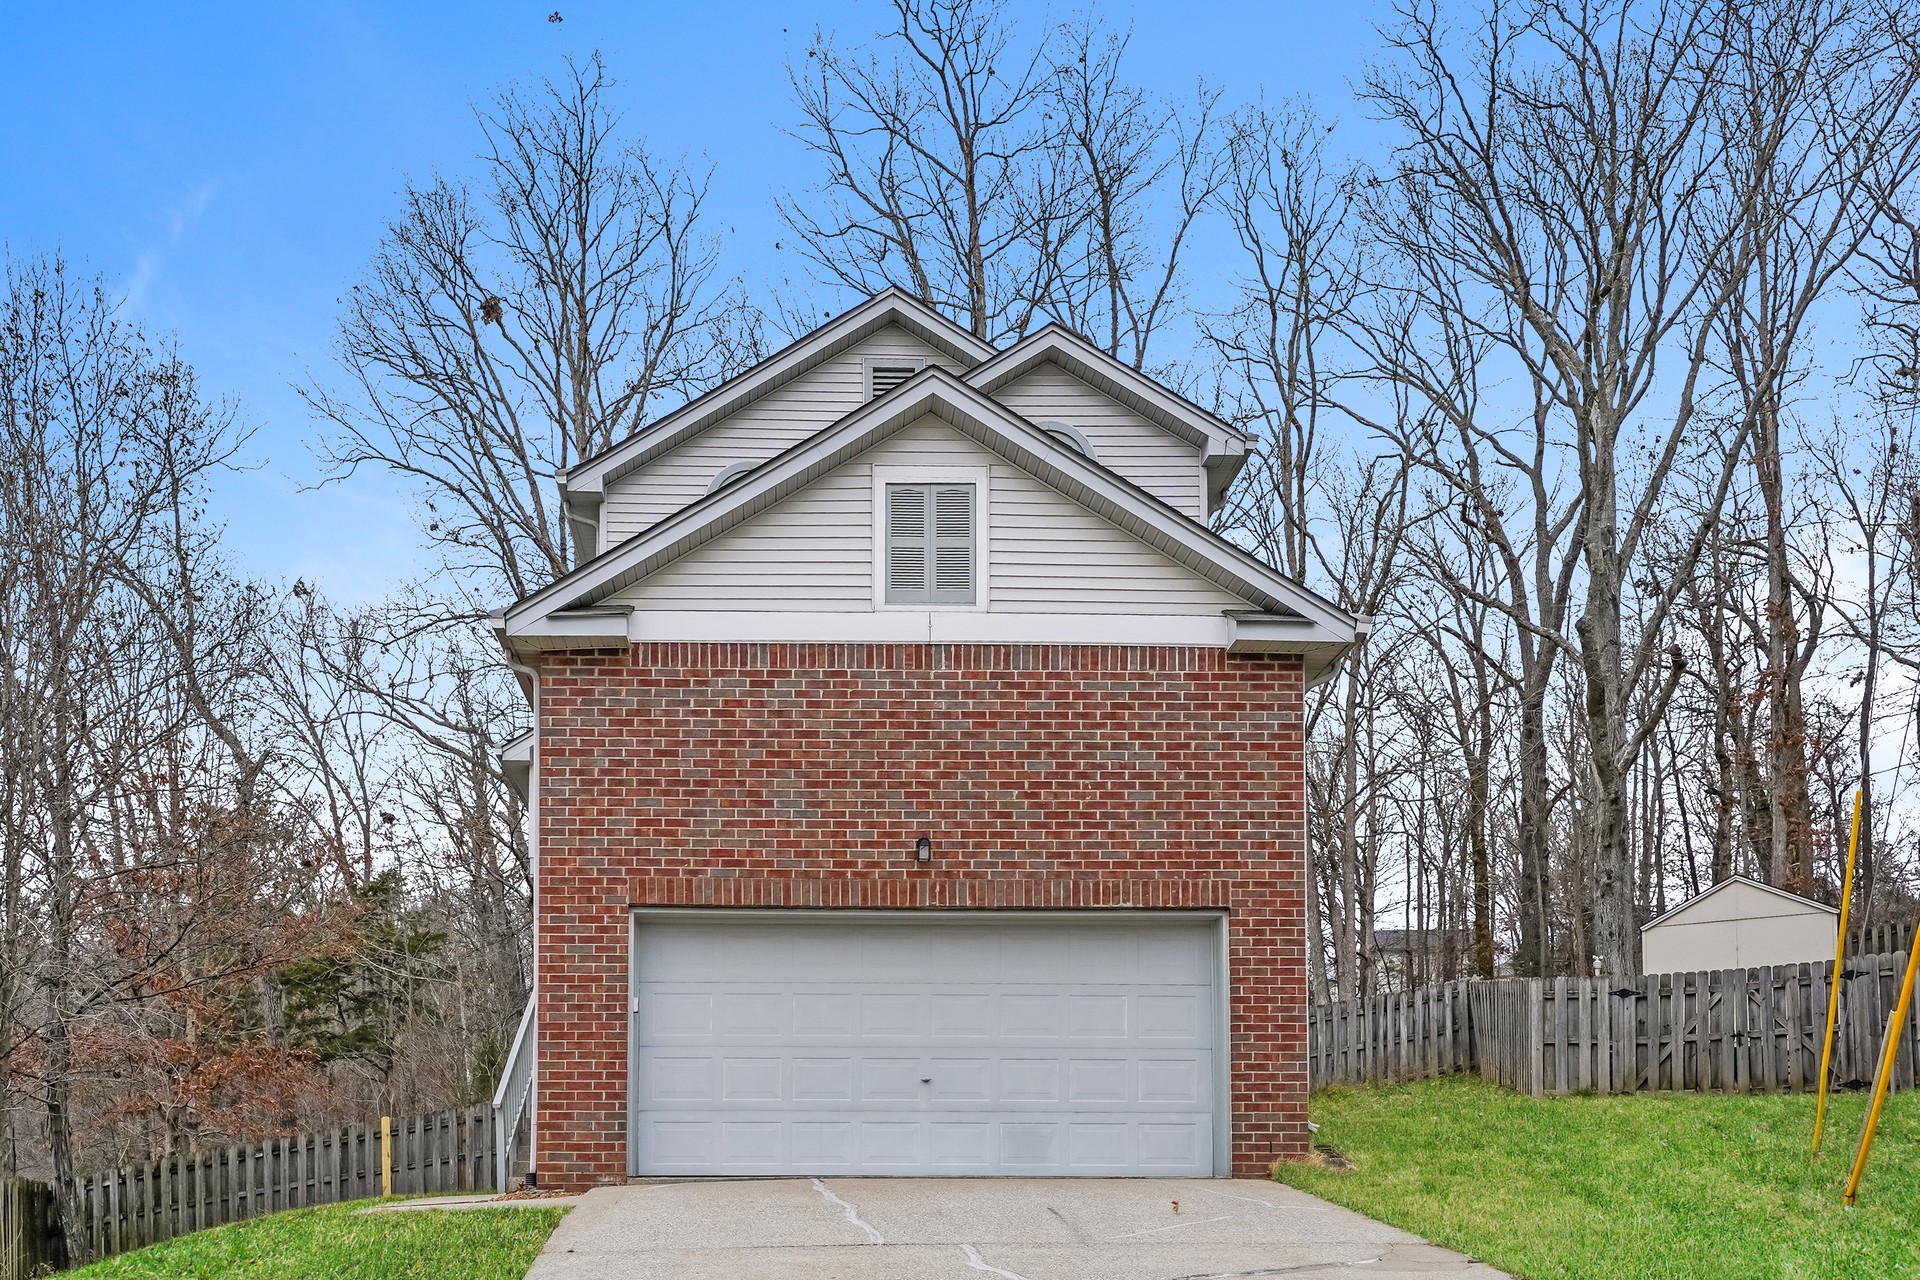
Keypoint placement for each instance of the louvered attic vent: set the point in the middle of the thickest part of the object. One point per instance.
(930, 544)
(882, 378)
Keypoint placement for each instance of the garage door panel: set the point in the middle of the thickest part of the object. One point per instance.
(890, 1080)
(961, 1080)
(671, 1015)
(1172, 1017)
(1022, 1048)
(967, 1016)
(892, 1145)
(823, 1079)
(823, 1146)
(892, 1015)
(1099, 1147)
(1171, 1080)
(1030, 1080)
(1036, 957)
(748, 1145)
(1097, 1017)
(752, 1080)
(673, 1079)
(1174, 958)
(832, 1014)
(1170, 1145)
(1099, 1079)
(745, 1014)
(1103, 958)
(961, 1145)
(1031, 1017)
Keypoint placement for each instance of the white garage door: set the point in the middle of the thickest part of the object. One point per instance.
(932, 1044)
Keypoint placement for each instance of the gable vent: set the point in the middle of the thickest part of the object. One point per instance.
(882, 378)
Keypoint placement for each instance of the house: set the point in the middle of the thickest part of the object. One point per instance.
(1737, 924)
(917, 779)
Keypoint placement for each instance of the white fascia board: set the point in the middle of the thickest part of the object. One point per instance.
(1290, 633)
(516, 761)
(924, 626)
(1671, 912)
(587, 479)
(974, 414)
(564, 629)
(1125, 384)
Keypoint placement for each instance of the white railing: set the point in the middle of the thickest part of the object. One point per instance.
(514, 1099)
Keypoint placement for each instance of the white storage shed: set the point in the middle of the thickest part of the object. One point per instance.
(1738, 924)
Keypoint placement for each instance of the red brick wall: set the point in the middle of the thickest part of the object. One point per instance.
(801, 776)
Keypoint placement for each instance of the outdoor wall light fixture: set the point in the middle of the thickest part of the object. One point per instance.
(923, 850)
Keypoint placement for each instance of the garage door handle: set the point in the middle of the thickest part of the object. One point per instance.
(926, 1079)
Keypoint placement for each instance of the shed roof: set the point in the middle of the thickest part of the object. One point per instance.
(1793, 899)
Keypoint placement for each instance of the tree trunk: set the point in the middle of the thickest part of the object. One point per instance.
(1531, 955)
(1790, 861)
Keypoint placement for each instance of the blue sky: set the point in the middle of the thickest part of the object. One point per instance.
(231, 165)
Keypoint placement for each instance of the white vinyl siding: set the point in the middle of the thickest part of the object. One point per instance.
(815, 550)
(757, 432)
(1122, 441)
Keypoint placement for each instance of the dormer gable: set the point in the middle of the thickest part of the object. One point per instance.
(1055, 379)
(584, 486)
(1029, 375)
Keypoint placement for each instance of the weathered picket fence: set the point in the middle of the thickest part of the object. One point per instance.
(30, 1243)
(143, 1204)
(1881, 939)
(1727, 1031)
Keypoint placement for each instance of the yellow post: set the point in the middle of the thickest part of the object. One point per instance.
(1896, 1024)
(386, 1155)
(1833, 983)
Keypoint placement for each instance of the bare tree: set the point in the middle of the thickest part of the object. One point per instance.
(1289, 212)
(123, 638)
(934, 157)
(1133, 177)
(501, 335)
(1575, 165)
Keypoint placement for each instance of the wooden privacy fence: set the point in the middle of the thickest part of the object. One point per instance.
(1880, 939)
(1727, 1031)
(30, 1243)
(146, 1203)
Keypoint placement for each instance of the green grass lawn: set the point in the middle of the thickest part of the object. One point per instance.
(338, 1243)
(1623, 1188)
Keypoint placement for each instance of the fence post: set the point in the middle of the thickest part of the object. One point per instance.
(386, 1155)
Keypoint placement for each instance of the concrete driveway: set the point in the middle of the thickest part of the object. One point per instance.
(972, 1228)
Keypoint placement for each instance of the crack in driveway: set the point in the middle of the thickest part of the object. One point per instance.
(853, 1215)
(1175, 1226)
(978, 1263)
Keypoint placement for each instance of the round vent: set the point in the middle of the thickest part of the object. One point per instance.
(729, 473)
(1067, 436)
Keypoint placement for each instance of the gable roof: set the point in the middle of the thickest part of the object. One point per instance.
(588, 478)
(1223, 447)
(1289, 614)
(1795, 899)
